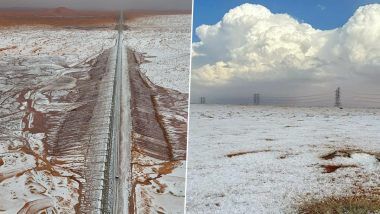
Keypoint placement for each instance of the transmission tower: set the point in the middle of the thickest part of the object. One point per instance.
(256, 99)
(203, 100)
(338, 102)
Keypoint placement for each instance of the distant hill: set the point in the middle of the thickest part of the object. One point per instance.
(51, 12)
(59, 17)
(60, 11)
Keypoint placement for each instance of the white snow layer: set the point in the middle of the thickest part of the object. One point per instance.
(50, 52)
(72, 47)
(165, 42)
(282, 165)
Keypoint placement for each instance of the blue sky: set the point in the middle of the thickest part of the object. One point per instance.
(321, 14)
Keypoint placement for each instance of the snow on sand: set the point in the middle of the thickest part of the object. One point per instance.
(161, 45)
(165, 40)
(34, 63)
(246, 159)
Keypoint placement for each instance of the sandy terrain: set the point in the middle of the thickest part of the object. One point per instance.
(53, 142)
(247, 159)
(159, 118)
(159, 65)
(53, 84)
(131, 15)
(165, 42)
(58, 17)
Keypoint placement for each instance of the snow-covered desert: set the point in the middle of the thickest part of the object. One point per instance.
(165, 42)
(56, 86)
(263, 159)
(62, 75)
(53, 81)
(159, 59)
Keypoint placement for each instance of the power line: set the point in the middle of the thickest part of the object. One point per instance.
(297, 97)
(365, 94)
(365, 97)
(365, 100)
(296, 100)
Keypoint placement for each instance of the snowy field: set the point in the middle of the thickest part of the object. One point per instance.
(69, 47)
(40, 69)
(165, 42)
(161, 45)
(247, 159)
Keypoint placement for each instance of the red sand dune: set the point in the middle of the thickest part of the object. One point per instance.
(59, 12)
(62, 16)
(58, 17)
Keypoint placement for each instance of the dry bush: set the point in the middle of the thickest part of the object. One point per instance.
(344, 205)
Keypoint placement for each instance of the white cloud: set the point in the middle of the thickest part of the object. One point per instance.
(253, 44)
(360, 37)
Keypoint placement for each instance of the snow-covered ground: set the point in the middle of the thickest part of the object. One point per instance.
(161, 46)
(46, 142)
(69, 47)
(39, 73)
(160, 187)
(165, 42)
(259, 159)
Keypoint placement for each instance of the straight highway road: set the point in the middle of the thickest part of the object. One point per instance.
(121, 129)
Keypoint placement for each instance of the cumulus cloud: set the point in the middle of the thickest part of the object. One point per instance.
(252, 44)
